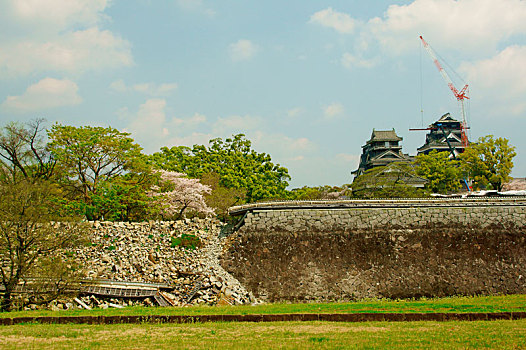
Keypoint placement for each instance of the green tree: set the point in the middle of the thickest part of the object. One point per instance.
(391, 181)
(103, 170)
(489, 162)
(24, 153)
(443, 174)
(236, 163)
(30, 240)
(221, 198)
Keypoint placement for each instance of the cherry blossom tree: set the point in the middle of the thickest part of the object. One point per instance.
(176, 193)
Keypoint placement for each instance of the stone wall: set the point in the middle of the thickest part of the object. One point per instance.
(304, 219)
(145, 252)
(394, 249)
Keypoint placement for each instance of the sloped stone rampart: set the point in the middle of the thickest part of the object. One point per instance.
(347, 252)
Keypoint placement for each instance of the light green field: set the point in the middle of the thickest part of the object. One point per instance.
(508, 303)
(272, 335)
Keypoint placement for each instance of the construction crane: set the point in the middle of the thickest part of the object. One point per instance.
(459, 95)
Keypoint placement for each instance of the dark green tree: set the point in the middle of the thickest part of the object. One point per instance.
(391, 181)
(236, 163)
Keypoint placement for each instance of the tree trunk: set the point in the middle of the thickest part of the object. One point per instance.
(5, 302)
(180, 216)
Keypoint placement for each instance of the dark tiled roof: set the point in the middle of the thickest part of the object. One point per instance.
(384, 135)
(446, 118)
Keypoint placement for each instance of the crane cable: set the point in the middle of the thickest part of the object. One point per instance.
(421, 90)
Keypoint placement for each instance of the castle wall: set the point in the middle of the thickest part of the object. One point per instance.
(395, 249)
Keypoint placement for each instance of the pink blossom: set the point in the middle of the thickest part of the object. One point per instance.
(181, 194)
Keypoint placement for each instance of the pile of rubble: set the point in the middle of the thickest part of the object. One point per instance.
(149, 253)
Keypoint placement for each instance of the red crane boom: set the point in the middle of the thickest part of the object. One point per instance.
(459, 95)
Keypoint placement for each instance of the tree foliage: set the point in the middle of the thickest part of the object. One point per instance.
(317, 192)
(102, 169)
(221, 198)
(176, 194)
(30, 238)
(489, 162)
(389, 181)
(236, 163)
(24, 154)
(443, 174)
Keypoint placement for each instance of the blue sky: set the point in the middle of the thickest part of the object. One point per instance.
(306, 81)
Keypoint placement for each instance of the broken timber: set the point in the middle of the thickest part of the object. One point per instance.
(113, 289)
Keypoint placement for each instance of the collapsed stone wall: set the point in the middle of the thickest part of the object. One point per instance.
(144, 252)
(319, 254)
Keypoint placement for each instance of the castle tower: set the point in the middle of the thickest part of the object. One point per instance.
(440, 132)
(381, 149)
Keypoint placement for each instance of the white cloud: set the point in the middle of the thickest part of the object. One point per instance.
(194, 138)
(350, 61)
(242, 50)
(58, 13)
(470, 26)
(339, 21)
(498, 82)
(119, 86)
(152, 129)
(294, 112)
(467, 26)
(151, 118)
(47, 93)
(351, 159)
(149, 127)
(75, 52)
(151, 89)
(333, 110)
(59, 36)
(235, 124)
(189, 123)
(282, 148)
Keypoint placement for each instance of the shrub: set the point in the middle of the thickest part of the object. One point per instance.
(186, 241)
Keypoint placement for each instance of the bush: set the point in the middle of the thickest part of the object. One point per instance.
(186, 241)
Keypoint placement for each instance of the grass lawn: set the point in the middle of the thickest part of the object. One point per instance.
(284, 335)
(508, 303)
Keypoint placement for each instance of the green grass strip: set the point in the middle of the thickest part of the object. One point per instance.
(507, 303)
(272, 335)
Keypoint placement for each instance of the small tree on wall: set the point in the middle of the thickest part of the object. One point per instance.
(176, 194)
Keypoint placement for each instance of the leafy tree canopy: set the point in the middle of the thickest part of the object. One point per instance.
(318, 192)
(221, 198)
(30, 238)
(391, 181)
(236, 163)
(24, 154)
(444, 174)
(489, 162)
(103, 170)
